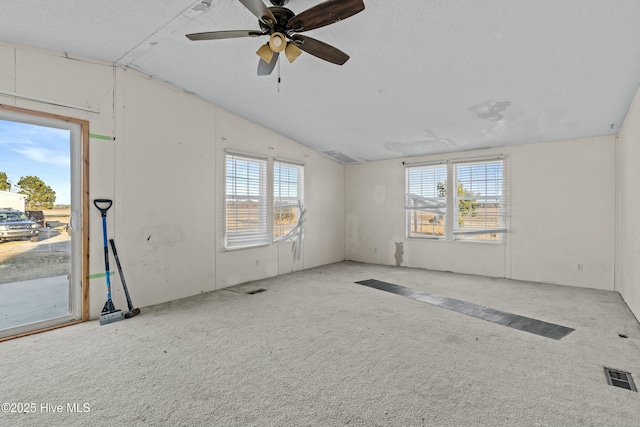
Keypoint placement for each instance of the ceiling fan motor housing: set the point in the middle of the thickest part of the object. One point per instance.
(282, 26)
(282, 15)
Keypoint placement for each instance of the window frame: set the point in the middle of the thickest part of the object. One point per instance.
(439, 203)
(471, 235)
(452, 229)
(277, 197)
(79, 225)
(262, 235)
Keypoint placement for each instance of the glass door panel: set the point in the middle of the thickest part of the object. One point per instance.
(40, 199)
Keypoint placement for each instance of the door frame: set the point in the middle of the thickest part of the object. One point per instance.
(83, 208)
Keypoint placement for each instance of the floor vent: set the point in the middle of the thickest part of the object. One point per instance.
(620, 379)
(256, 291)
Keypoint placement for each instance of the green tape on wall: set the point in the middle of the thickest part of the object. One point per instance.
(98, 275)
(105, 137)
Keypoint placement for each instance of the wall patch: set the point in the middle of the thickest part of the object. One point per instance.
(399, 255)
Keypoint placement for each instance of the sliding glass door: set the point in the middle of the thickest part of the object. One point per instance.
(40, 222)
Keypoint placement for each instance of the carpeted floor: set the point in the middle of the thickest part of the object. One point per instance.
(315, 349)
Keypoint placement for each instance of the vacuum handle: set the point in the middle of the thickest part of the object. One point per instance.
(103, 210)
(113, 248)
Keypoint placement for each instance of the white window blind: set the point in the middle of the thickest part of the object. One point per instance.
(426, 201)
(245, 201)
(288, 197)
(479, 211)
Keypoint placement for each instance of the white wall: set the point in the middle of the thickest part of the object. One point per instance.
(164, 173)
(164, 189)
(51, 75)
(628, 232)
(324, 201)
(170, 145)
(561, 208)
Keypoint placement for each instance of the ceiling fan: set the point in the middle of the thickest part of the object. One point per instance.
(282, 26)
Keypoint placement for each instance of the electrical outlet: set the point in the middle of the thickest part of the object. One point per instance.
(579, 266)
(257, 262)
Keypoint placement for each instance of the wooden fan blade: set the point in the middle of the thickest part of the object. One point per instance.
(320, 49)
(264, 69)
(261, 11)
(218, 35)
(324, 13)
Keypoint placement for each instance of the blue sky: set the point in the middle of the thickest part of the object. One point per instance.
(27, 149)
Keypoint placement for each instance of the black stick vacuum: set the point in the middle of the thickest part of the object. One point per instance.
(132, 311)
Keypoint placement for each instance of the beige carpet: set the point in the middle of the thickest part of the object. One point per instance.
(316, 349)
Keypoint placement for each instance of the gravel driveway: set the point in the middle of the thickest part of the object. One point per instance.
(25, 260)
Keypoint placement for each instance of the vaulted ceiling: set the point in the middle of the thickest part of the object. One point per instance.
(424, 77)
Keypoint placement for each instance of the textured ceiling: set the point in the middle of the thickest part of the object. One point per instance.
(425, 76)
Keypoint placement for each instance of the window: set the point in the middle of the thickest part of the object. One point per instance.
(426, 201)
(245, 201)
(477, 198)
(288, 198)
(479, 201)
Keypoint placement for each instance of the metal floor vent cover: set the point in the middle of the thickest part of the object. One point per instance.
(620, 379)
(256, 291)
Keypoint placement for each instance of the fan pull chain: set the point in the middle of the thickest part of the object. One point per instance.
(279, 79)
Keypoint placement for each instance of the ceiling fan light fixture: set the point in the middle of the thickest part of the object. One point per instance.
(292, 52)
(281, 25)
(265, 53)
(277, 42)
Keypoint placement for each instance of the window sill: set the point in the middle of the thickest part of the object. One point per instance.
(237, 248)
(490, 242)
